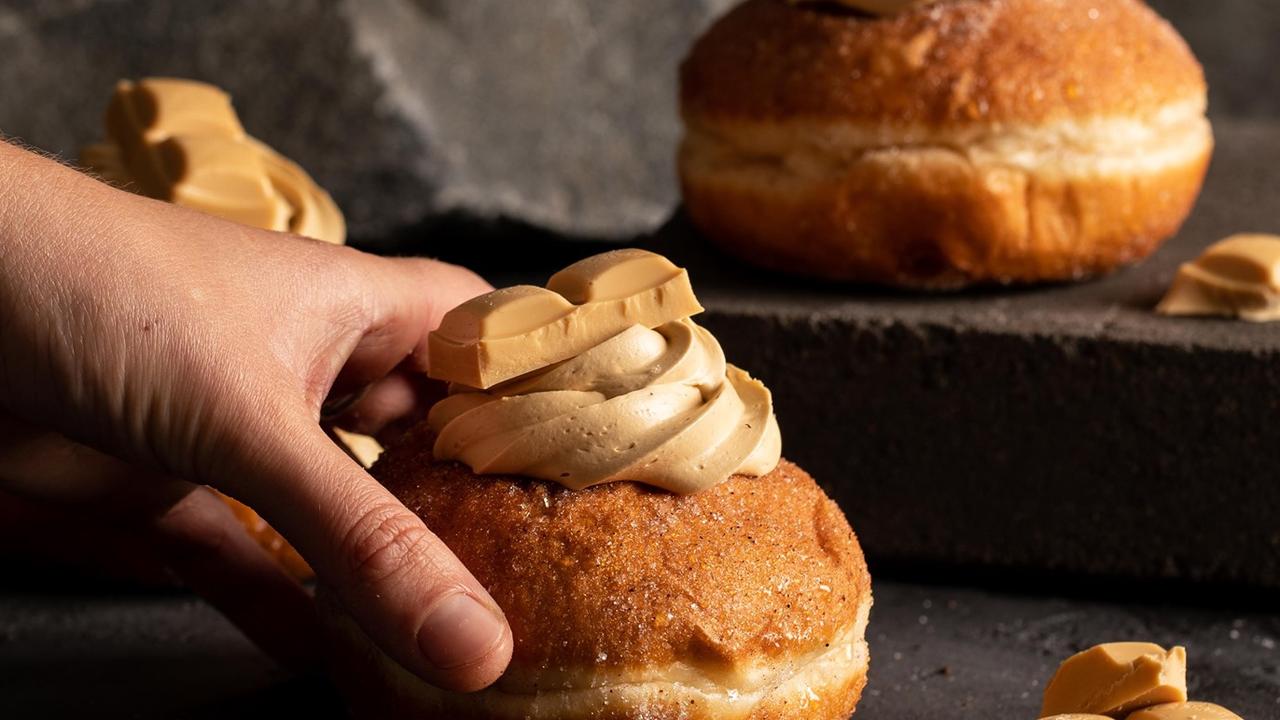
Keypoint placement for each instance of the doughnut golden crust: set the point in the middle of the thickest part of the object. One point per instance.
(961, 142)
(747, 600)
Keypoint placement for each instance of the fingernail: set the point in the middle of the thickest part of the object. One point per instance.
(459, 631)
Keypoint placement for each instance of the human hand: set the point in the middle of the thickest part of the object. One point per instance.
(146, 350)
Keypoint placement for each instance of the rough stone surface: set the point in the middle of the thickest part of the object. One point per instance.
(936, 652)
(559, 114)
(1235, 41)
(289, 66)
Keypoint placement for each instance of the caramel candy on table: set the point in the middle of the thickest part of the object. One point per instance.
(181, 141)
(516, 330)
(1117, 678)
(1236, 277)
(1185, 711)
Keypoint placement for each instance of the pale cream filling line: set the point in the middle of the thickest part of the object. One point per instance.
(1177, 134)
(744, 681)
(803, 678)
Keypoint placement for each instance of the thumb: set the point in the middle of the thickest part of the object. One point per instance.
(403, 586)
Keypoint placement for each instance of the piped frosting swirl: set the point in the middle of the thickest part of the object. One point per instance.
(653, 405)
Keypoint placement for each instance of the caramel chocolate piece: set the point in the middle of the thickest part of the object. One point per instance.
(181, 141)
(362, 448)
(314, 214)
(516, 330)
(1236, 277)
(1185, 711)
(222, 177)
(615, 275)
(144, 114)
(1117, 678)
(107, 162)
(153, 109)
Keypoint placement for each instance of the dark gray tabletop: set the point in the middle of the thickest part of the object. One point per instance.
(937, 652)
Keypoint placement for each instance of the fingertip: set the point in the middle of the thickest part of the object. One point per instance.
(410, 595)
(467, 641)
(412, 297)
(359, 664)
(487, 671)
(448, 284)
(462, 281)
(403, 587)
(451, 285)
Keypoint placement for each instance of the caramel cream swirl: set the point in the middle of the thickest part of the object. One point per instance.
(658, 406)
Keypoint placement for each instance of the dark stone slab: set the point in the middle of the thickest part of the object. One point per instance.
(1066, 429)
(936, 652)
(1063, 428)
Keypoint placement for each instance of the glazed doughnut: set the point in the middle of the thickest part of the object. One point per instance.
(948, 144)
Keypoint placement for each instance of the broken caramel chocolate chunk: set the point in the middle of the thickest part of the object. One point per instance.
(516, 330)
(222, 177)
(1236, 277)
(181, 141)
(153, 109)
(1117, 678)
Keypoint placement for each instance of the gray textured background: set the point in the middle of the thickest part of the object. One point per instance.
(558, 113)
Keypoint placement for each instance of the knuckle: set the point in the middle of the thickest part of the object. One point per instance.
(385, 542)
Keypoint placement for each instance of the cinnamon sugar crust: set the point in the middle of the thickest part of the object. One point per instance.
(938, 64)
(721, 585)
